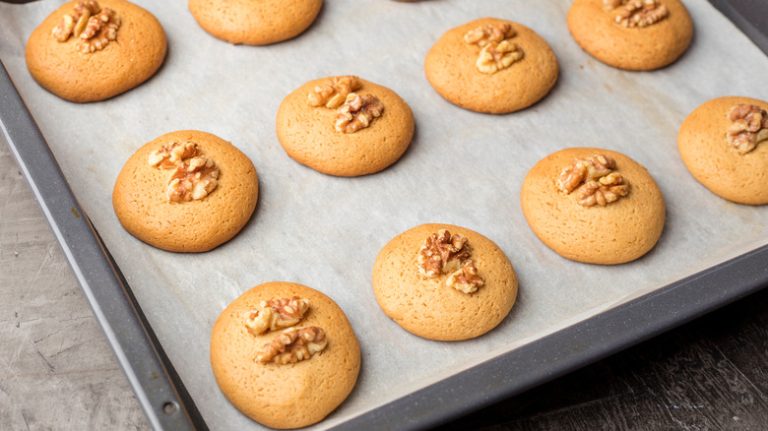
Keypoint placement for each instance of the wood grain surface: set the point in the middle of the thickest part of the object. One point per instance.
(58, 373)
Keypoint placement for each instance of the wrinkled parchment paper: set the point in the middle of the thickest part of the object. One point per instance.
(463, 168)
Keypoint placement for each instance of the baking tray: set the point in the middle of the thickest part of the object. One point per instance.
(167, 404)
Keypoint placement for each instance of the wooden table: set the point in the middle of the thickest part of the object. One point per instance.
(58, 372)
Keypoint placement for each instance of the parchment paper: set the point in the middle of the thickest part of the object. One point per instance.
(463, 168)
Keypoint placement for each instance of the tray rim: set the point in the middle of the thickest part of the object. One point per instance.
(155, 382)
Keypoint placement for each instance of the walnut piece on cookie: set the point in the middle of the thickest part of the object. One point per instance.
(355, 112)
(170, 155)
(489, 33)
(595, 179)
(193, 180)
(293, 345)
(358, 112)
(497, 56)
(444, 253)
(277, 313)
(497, 52)
(75, 22)
(748, 128)
(605, 190)
(466, 278)
(636, 13)
(333, 93)
(439, 249)
(194, 176)
(94, 26)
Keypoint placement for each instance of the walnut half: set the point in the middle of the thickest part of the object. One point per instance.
(603, 191)
(94, 26)
(194, 176)
(636, 13)
(358, 112)
(595, 179)
(465, 279)
(333, 92)
(489, 33)
(497, 51)
(438, 250)
(170, 155)
(584, 170)
(443, 253)
(277, 313)
(749, 127)
(100, 30)
(193, 180)
(74, 23)
(497, 56)
(293, 345)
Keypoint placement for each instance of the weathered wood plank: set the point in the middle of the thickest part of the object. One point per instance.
(56, 369)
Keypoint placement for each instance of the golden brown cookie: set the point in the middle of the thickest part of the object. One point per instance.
(724, 144)
(632, 34)
(593, 205)
(492, 65)
(255, 22)
(444, 282)
(88, 51)
(344, 126)
(186, 191)
(284, 354)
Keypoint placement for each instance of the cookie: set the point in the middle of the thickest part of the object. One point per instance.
(444, 282)
(632, 34)
(344, 126)
(186, 191)
(284, 354)
(88, 51)
(491, 65)
(724, 144)
(255, 22)
(593, 205)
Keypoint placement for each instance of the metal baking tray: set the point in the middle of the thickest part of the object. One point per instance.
(167, 404)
